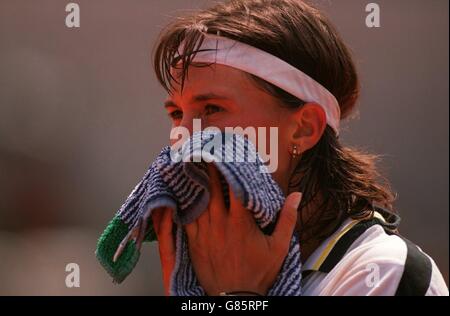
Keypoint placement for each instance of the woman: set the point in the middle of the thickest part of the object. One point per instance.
(344, 211)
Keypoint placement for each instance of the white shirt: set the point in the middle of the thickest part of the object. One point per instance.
(374, 264)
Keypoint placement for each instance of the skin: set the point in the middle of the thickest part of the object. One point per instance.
(227, 249)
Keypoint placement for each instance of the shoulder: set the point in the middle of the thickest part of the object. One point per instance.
(374, 262)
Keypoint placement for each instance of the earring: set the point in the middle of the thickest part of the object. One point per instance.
(294, 151)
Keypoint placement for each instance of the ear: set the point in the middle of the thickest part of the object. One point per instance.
(310, 121)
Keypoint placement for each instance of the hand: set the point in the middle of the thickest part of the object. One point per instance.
(228, 250)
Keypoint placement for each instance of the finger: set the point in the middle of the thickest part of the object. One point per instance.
(163, 224)
(286, 223)
(192, 230)
(217, 209)
(166, 244)
(237, 209)
(156, 219)
(122, 245)
(203, 222)
(166, 223)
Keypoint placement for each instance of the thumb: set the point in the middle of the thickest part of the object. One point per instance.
(286, 223)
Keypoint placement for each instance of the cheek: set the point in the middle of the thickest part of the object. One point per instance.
(257, 118)
(276, 145)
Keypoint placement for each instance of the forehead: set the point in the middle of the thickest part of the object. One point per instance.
(214, 78)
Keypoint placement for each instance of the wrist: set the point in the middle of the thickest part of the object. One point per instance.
(240, 293)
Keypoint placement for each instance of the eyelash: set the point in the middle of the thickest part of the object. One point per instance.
(177, 114)
(174, 115)
(216, 107)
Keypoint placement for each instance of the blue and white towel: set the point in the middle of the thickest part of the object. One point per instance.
(178, 179)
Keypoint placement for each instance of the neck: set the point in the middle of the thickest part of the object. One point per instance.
(308, 242)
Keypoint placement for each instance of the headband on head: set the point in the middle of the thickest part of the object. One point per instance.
(225, 51)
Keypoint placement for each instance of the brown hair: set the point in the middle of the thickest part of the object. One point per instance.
(297, 32)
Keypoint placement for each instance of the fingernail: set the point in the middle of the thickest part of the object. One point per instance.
(296, 199)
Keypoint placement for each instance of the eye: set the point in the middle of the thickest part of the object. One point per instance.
(212, 108)
(176, 115)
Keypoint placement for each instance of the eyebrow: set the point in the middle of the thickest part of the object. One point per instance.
(198, 98)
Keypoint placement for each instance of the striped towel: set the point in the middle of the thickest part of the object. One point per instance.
(178, 179)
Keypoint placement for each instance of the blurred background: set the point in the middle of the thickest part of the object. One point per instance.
(81, 118)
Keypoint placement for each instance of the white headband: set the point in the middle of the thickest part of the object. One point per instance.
(225, 51)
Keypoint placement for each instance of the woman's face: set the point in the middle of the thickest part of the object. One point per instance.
(223, 96)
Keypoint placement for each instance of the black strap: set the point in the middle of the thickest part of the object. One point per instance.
(416, 277)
